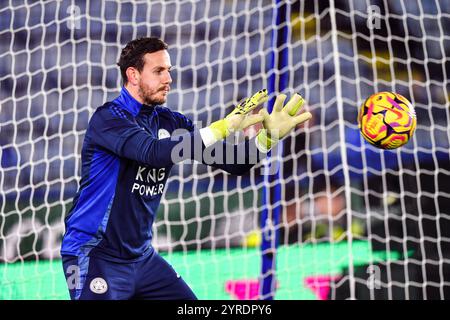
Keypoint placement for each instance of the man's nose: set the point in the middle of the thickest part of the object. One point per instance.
(168, 78)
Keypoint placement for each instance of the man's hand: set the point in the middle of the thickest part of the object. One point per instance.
(281, 121)
(241, 117)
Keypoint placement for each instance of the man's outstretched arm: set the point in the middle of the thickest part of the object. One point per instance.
(234, 159)
(115, 130)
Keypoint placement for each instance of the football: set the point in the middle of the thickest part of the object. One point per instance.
(387, 120)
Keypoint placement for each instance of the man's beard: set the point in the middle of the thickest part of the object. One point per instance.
(147, 96)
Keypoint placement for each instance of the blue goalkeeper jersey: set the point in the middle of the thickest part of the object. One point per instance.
(126, 160)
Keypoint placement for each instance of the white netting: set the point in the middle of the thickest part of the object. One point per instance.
(58, 63)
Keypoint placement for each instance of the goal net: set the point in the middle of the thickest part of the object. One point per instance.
(355, 222)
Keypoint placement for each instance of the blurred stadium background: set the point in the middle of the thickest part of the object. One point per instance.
(355, 222)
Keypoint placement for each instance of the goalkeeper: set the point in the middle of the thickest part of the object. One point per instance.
(126, 157)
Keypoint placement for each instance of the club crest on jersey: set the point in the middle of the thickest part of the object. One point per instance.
(98, 285)
(163, 133)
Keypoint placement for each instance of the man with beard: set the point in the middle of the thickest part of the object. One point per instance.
(129, 149)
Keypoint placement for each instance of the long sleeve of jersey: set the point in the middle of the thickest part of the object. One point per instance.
(234, 159)
(117, 131)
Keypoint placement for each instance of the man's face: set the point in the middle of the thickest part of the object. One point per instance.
(155, 79)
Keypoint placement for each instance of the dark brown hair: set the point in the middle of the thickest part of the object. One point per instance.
(133, 53)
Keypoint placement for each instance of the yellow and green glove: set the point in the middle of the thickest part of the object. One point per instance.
(281, 121)
(239, 119)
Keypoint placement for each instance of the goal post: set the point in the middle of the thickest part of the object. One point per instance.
(351, 221)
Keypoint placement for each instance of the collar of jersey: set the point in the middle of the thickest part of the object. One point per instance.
(128, 102)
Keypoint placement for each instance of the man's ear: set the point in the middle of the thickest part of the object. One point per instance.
(133, 75)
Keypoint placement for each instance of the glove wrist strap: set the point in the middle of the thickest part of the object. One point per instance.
(263, 142)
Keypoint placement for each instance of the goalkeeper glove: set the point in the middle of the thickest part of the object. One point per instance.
(281, 121)
(239, 119)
